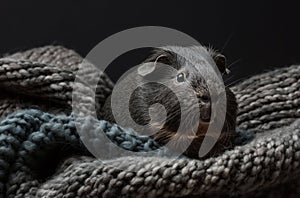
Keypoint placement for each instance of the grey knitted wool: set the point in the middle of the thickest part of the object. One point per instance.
(267, 166)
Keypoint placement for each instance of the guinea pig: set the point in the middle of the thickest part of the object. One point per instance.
(185, 75)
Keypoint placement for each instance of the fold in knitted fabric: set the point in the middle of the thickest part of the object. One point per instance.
(41, 154)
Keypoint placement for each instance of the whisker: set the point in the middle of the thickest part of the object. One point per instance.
(236, 81)
(233, 63)
(227, 41)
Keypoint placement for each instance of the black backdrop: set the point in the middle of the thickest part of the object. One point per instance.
(261, 34)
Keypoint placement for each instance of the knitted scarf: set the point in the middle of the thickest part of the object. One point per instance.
(41, 154)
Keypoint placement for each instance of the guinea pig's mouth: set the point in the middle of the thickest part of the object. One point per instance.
(199, 129)
(218, 136)
(198, 132)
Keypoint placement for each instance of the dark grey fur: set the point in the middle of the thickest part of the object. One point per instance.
(151, 93)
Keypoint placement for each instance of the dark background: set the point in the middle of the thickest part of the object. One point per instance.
(262, 35)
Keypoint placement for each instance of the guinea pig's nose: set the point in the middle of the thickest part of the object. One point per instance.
(205, 108)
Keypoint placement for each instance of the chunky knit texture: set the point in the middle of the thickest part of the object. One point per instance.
(35, 141)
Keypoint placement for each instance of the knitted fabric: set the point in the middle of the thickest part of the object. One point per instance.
(42, 79)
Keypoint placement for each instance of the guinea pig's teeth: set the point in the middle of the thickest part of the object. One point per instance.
(203, 123)
(192, 136)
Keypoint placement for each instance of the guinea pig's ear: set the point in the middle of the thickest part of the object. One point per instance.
(220, 61)
(148, 67)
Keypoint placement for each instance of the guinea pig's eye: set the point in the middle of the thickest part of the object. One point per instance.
(180, 77)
